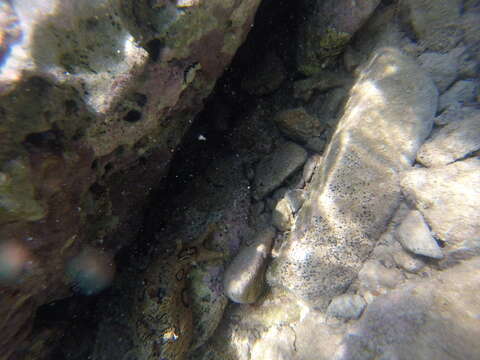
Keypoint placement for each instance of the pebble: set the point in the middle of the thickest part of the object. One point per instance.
(408, 262)
(275, 168)
(282, 216)
(415, 236)
(346, 306)
(244, 278)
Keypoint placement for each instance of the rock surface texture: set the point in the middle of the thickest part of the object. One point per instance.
(337, 159)
(389, 114)
(86, 90)
(448, 197)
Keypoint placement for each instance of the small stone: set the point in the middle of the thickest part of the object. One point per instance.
(463, 91)
(346, 306)
(244, 278)
(452, 142)
(275, 168)
(408, 262)
(298, 125)
(282, 216)
(415, 236)
(296, 198)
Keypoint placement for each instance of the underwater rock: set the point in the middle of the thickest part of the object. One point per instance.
(415, 236)
(298, 125)
(452, 142)
(276, 167)
(244, 278)
(328, 29)
(448, 198)
(387, 117)
(425, 319)
(348, 306)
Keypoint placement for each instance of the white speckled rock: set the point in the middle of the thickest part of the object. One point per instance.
(452, 142)
(348, 306)
(244, 278)
(386, 119)
(415, 236)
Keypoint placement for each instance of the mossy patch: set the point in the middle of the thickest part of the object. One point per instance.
(17, 195)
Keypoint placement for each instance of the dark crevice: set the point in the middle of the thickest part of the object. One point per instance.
(153, 48)
(207, 140)
(133, 116)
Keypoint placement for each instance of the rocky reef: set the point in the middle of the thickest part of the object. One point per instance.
(331, 147)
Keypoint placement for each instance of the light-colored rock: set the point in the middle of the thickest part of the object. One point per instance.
(415, 236)
(408, 262)
(244, 278)
(388, 116)
(282, 216)
(463, 91)
(454, 113)
(298, 125)
(348, 306)
(452, 142)
(273, 169)
(436, 318)
(374, 278)
(449, 199)
(296, 198)
(443, 68)
(277, 343)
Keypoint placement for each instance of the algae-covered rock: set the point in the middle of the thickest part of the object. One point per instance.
(328, 29)
(90, 90)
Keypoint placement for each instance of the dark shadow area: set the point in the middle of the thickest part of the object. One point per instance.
(207, 141)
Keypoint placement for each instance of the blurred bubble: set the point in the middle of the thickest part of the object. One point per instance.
(91, 271)
(14, 259)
